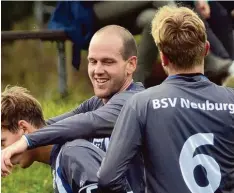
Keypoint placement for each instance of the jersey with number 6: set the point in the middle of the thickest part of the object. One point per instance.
(185, 129)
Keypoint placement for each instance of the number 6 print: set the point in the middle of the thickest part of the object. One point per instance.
(188, 163)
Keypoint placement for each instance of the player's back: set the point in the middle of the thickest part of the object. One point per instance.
(188, 136)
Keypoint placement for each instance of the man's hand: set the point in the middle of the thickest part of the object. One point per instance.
(16, 148)
(203, 8)
(6, 164)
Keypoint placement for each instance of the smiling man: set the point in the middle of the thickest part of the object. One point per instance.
(112, 60)
(110, 67)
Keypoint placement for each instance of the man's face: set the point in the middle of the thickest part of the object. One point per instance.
(106, 68)
(8, 138)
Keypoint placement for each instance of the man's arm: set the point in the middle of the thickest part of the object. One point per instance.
(59, 118)
(82, 108)
(125, 142)
(98, 124)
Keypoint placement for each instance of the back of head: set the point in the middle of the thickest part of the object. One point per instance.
(128, 47)
(180, 35)
(17, 104)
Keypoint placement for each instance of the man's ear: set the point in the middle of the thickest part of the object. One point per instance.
(164, 59)
(207, 48)
(131, 65)
(24, 126)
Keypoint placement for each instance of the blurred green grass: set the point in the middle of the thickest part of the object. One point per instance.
(32, 64)
(37, 178)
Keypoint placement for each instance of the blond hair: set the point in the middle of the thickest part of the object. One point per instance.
(180, 35)
(17, 104)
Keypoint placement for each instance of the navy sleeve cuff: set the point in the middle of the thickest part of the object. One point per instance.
(28, 141)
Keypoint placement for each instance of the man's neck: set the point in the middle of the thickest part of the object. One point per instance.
(195, 70)
(126, 84)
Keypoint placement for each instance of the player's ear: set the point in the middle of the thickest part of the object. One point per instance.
(131, 65)
(164, 59)
(207, 48)
(24, 126)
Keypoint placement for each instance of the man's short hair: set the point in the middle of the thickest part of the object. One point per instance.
(17, 104)
(129, 44)
(180, 35)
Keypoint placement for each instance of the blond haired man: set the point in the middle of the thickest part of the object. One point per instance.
(184, 127)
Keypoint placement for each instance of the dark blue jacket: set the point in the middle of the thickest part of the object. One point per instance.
(76, 19)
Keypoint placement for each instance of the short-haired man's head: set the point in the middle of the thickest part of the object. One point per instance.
(129, 47)
(17, 104)
(180, 35)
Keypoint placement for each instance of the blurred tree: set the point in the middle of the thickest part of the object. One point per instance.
(13, 11)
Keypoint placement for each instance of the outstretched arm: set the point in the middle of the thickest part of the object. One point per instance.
(98, 123)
